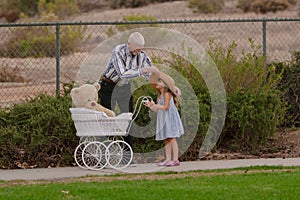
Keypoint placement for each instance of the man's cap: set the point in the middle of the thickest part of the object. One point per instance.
(136, 39)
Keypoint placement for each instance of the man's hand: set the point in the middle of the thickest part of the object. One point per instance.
(148, 70)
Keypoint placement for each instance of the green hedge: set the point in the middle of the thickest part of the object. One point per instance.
(38, 133)
(289, 84)
(252, 118)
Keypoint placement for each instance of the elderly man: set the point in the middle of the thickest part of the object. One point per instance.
(127, 61)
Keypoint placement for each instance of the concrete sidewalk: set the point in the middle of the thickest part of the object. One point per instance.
(72, 172)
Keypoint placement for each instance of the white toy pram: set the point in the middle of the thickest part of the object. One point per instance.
(90, 125)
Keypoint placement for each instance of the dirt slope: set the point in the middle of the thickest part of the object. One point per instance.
(177, 10)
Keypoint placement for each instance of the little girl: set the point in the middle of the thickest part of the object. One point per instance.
(169, 125)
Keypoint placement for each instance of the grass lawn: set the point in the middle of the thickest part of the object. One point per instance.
(246, 183)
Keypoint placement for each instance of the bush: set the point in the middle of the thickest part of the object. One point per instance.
(248, 71)
(41, 41)
(289, 84)
(264, 6)
(10, 15)
(132, 18)
(115, 4)
(86, 6)
(245, 5)
(60, 8)
(37, 133)
(206, 6)
(12, 9)
(252, 118)
(8, 74)
(254, 107)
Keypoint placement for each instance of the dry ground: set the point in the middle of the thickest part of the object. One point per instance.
(285, 144)
(178, 10)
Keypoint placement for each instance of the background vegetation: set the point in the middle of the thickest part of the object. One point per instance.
(38, 133)
(41, 132)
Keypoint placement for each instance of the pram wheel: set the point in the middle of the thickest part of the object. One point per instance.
(118, 154)
(93, 155)
(78, 154)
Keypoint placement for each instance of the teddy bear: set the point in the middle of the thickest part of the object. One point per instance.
(86, 96)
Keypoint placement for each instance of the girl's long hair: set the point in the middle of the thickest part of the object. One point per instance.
(175, 98)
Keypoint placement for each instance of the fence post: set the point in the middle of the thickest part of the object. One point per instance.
(264, 30)
(57, 53)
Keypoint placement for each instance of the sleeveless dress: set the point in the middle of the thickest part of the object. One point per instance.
(169, 124)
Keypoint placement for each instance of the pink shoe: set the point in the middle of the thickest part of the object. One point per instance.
(174, 163)
(164, 163)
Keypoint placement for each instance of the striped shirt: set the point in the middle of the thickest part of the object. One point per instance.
(123, 65)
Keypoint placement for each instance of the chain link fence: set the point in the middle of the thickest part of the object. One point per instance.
(40, 57)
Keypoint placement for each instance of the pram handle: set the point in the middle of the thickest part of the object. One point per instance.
(141, 100)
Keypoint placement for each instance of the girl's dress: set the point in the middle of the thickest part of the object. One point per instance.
(168, 124)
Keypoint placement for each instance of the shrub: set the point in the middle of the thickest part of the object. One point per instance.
(245, 5)
(252, 118)
(133, 3)
(206, 6)
(132, 18)
(37, 133)
(289, 84)
(264, 6)
(12, 9)
(248, 71)
(60, 8)
(254, 109)
(10, 15)
(86, 6)
(129, 3)
(8, 74)
(41, 41)
(293, 2)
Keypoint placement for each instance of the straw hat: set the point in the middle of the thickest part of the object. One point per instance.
(169, 81)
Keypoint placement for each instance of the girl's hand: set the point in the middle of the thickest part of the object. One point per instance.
(149, 103)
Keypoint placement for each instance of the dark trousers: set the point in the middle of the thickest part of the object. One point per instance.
(111, 95)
